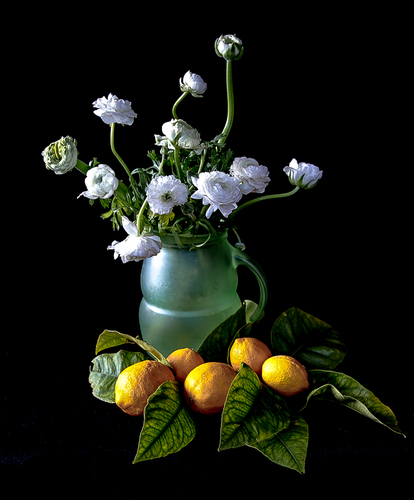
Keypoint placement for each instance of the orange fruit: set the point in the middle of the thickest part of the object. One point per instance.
(137, 382)
(285, 375)
(251, 351)
(183, 361)
(206, 387)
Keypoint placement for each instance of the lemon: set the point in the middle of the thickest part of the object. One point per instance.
(137, 382)
(206, 387)
(183, 361)
(285, 375)
(251, 351)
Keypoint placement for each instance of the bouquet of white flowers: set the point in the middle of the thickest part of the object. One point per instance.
(192, 187)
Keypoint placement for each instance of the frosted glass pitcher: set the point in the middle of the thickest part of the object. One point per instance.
(189, 291)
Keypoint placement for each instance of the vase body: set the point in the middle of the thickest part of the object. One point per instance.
(188, 291)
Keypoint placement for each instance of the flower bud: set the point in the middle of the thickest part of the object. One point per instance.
(304, 175)
(193, 83)
(229, 47)
(61, 156)
(179, 134)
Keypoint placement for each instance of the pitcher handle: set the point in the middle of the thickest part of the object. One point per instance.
(241, 258)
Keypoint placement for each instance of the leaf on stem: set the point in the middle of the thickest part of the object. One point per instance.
(167, 427)
(343, 389)
(106, 369)
(312, 342)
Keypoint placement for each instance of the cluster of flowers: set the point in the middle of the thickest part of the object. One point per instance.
(216, 189)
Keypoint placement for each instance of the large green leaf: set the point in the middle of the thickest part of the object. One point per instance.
(338, 387)
(105, 371)
(216, 344)
(288, 447)
(168, 426)
(252, 412)
(112, 338)
(312, 342)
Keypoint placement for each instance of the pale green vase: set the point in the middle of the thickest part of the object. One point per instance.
(187, 293)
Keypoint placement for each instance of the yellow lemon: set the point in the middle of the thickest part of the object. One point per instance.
(285, 375)
(251, 351)
(137, 382)
(206, 387)
(183, 361)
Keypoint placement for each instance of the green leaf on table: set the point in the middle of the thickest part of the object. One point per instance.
(167, 427)
(288, 447)
(311, 341)
(216, 344)
(252, 412)
(340, 388)
(105, 371)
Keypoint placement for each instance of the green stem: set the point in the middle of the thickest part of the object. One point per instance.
(263, 198)
(161, 164)
(121, 161)
(174, 109)
(140, 224)
(177, 162)
(203, 159)
(230, 102)
(82, 167)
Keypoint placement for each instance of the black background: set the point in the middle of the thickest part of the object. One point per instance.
(321, 86)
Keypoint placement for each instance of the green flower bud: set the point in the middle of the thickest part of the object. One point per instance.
(61, 156)
(229, 47)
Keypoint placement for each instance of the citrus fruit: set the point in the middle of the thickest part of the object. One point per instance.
(206, 387)
(183, 361)
(251, 351)
(285, 375)
(137, 382)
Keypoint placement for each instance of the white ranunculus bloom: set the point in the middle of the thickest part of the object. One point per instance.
(253, 177)
(114, 110)
(134, 247)
(101, 182)
(304, 175)
(61, 156)
(193, 83)
(164, 193)
(179, 134)
(219, 190)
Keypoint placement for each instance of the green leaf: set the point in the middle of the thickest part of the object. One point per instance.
(312, 342)
(216, 344)
(288, 447)
(252, 412)
(340, 388)
(112, 338)
(167, 427)
(105, 371)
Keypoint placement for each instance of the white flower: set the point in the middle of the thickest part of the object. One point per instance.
(165, 192)
(219, 190)
(178, 134)
(114, 110)
(304, 175)
(134, 247)
(253, 177)
(101, 182)
(61, 156)
(193, 83)
(229, 47)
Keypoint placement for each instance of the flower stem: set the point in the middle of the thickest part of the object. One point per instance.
(121, 161)
(230, 102)
(177, 162)
(174, 109)
(263, 198)
(140, 224)
(82, 167)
